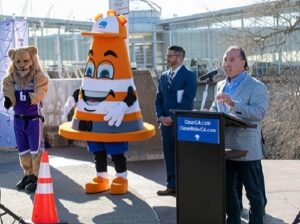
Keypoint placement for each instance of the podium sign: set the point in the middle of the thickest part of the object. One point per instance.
(198, 130)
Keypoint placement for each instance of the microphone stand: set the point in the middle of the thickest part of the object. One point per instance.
(205, 92)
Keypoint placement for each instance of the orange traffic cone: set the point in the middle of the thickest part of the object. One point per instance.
(44, 210)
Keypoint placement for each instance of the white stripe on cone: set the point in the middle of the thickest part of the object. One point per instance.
(44, 171)
(44, 188)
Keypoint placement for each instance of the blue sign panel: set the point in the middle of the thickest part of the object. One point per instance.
(193, 129)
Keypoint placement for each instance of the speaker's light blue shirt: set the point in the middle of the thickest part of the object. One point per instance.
(232, 84)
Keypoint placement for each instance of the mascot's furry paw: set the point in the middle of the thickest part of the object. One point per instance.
(98, 185)
(119, 185)
(7, 103)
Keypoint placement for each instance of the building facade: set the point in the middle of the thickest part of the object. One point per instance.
(269, 33)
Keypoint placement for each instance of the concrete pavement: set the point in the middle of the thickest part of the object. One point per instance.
(72, 167)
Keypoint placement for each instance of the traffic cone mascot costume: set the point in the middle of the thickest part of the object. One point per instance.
(24, 87)
(107, 113)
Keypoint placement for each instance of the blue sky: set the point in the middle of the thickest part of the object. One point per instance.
(84, 10)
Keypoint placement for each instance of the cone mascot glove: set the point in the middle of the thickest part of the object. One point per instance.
(107, 113)
(24, 87)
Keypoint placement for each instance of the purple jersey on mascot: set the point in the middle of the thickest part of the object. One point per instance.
(23, 105)
(27, 122)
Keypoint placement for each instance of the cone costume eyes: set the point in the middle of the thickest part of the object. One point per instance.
(105, 70)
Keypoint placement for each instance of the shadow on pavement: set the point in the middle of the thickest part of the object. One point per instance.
(167, 215)
(76, 153)
(153, 170)
(126, 209)
(74, 203)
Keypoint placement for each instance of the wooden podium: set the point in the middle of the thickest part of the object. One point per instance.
(200, 165)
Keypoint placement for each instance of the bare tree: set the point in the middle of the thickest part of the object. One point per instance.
(267, 29)
(274, 22)
(281, 126)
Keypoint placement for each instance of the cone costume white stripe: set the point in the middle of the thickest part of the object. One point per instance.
(103, 107)
(120, 85)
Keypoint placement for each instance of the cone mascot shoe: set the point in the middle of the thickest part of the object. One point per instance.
(119, 185)
(97, 185)
(107, 113)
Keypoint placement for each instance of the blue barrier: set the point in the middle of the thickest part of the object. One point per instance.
(7, 135)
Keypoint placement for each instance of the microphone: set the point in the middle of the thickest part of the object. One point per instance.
(209, 75)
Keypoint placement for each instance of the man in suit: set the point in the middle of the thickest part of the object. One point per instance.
(176, 90)
(245, 98)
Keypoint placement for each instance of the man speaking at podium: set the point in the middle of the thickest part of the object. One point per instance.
(246, 98)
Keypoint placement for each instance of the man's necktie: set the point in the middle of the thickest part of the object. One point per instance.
(170, 78)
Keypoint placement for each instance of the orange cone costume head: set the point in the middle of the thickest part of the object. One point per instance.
(107, 109)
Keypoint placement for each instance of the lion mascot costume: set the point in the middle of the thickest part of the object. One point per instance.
(107, 113)
(24, 87)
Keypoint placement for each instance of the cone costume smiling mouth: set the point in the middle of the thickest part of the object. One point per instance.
(93, 98)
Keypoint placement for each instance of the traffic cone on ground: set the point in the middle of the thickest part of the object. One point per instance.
(44, 209)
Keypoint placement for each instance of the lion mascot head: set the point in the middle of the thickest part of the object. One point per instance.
(24, 64)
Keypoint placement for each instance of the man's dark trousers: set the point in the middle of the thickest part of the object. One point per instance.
(168, 137)
(250, 172)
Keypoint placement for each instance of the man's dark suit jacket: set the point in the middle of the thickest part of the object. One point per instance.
(180, 95)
